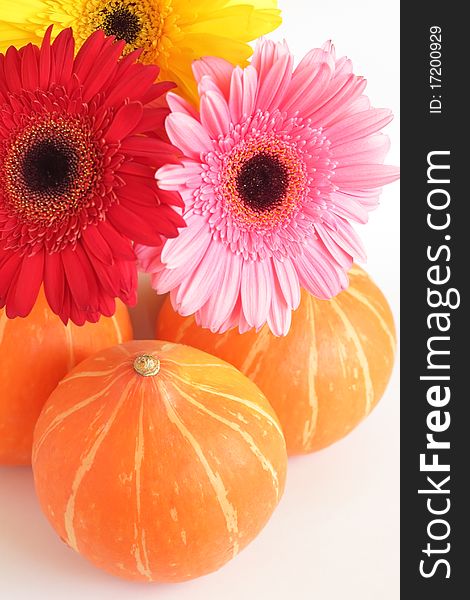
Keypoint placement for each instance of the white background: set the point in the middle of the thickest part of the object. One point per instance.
(335, 534)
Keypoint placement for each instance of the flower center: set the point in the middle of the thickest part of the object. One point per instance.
(49, 166)
(50, 173)
(142, 24)
(262, 182)
(121, 22)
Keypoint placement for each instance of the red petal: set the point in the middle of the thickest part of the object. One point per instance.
(54, 282)
(125, 120)
(129, 283)
(22, 297)
(101, 69)
(137, 82)
(97, 245)
(29, 67)
(170, 198)
(45, 60)
(157, 90)
(63, 50)
(76, 278)
(120, 245)
(8, 270)
(138, 169)
(132, 225)
(12, 70)
(152, 119)
(89, 52)
(144, 146)
(109, 277)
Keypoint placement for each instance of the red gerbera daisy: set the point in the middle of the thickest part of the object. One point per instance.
(77, 166)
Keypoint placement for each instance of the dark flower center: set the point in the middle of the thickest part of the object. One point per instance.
(262, 182)
(122, 23)
(49, 166)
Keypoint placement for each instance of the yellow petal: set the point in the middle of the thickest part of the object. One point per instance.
(242, 23)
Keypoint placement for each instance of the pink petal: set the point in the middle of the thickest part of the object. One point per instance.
(174, 177)
(370, 149)
(313, 59)
(218, 68)
(317, 273)
(199, 284)
(288, 282)
(243, 90)
(179, 104)
(177, 252)
(222, 302)
(188, 135)
(256, 290)
(207, 84)
(349, 207)
(273, 86)
(338, 98)
(341, 256)
(302, 86)
(279, 317)
(266, 54)
(148, 258)
(345, 236)
(365, 176)
(215, 116)
(359, 125)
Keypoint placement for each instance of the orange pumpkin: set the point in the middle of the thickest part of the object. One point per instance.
(36, 352)
(158, 462)
(325, 376)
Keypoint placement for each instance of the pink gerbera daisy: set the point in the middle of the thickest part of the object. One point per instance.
(277, 161)
(77, 171)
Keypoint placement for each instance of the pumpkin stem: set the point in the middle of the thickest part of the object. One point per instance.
(146, 365)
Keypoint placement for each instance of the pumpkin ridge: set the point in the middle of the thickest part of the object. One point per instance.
(227, 508)
(363, 300)
(58, 419)
(261, 339)
(86, 374)
(181, 331)
(117, 329)
(356, 271)
(203, 365)
(144, 569)
(236, 399)
(312, 370)
(86, 465)
(69, 347)
(265, 463)
(361, 355)
(3, 323)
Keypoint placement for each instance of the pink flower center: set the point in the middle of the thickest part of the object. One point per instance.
(263, 182)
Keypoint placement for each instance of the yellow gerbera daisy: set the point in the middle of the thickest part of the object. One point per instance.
(171, 33)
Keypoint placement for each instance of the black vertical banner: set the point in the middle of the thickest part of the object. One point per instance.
(435, 322)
